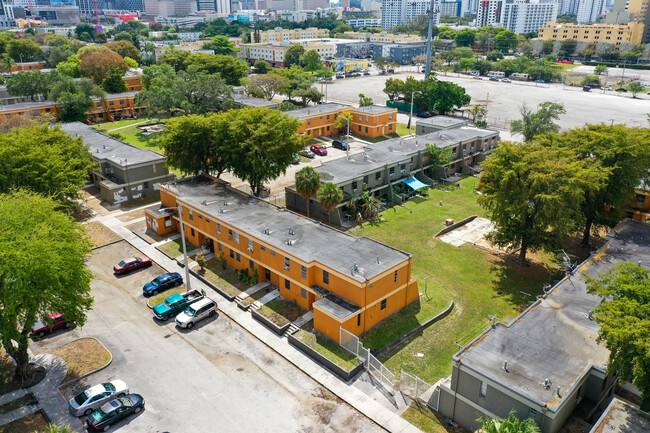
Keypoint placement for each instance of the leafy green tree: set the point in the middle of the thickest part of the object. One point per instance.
(635, 88)
(439, 156)
(75, 97)
(124, 48)
(393, 88)
(154, 71)
(539, 122)
(261, 66)
(264, 142)
(307, 184)
(621, 154)
(188, 91)
(477, 112)
(624, 319)
(547, 46)
(533, 193)
(297, 81)
(221, 45)
(311, 61)
(590, 80)
(57, 55)
(69, 68)
(512, 424)
(267, 86)
(97, 62)
(600, 69)
(45, 160)
(195, 144)
(85, 32)
(231, 69)
(365, 101)
(382, 63)
(28, 84)
(42, 269)
(53, 428)
(329, 195)
(293, 55)
(442, 96)
(114, 83)
(505, 41)
(344, 120)
(494, 56)
(24, 50)
(174, 58)
(465, 37)
(568, 47)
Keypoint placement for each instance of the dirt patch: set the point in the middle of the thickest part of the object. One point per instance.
(324, 412)
(82, 356)
(100, 234)
(140, 228)
(9, 382)
(131, 215)
(35, 422)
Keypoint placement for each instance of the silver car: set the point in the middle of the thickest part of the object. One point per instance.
(196, 312)
(89, 400)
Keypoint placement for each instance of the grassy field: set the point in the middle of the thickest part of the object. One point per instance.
(480, 283)
(175, 248)
(225, 279)
(402, 129)
(326, 347)
(424, 419)
(108, 126)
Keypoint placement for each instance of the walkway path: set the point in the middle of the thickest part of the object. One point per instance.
(355, 397)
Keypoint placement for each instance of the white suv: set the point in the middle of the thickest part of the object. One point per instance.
(196, 312)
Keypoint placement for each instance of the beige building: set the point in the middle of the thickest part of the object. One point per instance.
(274, 52)
(383, 37)
(615, 34)
(279, 34)
(640, 9)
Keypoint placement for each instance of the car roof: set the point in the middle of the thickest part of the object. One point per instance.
(201, 303)
(54, 315)
(111, 406)
(131, 259)
(95, 389)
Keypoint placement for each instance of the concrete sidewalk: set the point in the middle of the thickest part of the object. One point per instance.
(351, 395)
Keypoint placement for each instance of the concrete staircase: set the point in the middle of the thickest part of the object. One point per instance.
(299, 323)
(251, 291)
(264, 299)
(290, 330)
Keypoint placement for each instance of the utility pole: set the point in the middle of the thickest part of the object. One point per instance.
(411, 115)
(432, 11)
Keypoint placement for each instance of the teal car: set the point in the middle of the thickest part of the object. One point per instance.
(176, 303)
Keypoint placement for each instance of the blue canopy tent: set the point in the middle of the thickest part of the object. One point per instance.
(415, 185)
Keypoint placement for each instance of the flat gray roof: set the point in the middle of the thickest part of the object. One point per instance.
(315, 110)
(104, 147)
(253, 102)
(373, 109)
(442, 121)
(310, 242)
(622, 417)
(334, 305)
(449, 137)
(555, 338)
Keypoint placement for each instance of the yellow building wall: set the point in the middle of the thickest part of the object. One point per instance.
(593, 33)
(376, 125)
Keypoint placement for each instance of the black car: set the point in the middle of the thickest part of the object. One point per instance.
(621, 89)
(423, 115)
(586, 88)
(115, 410)
(337, 144)
(366, 72)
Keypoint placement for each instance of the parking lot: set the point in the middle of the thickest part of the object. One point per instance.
(504, 100)
(215, 377)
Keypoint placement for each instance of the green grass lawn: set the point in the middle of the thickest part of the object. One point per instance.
(132, 136)
(175, 248)
(281, 311)
(326, 347)
(107, 126)
(225, 279)
(479, 282)
(402, 129)
(424, 419)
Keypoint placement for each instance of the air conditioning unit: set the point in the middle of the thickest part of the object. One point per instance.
(286, 268)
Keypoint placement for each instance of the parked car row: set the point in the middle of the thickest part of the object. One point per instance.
(105, 404)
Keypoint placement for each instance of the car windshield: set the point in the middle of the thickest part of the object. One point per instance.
(99, 415)
(155, 283)
(167, 304)
(126, 402)
(190, 312)
(122, 263)
(109, 387)
(81, 398)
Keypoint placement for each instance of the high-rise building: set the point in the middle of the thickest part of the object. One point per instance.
(569, 7)
(6, 15)
(640, 9)
(589, 10)
(518, 16)
(451, 8)
(218, 6)
(397, 12)
(87, 7)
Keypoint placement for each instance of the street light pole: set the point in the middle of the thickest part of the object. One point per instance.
(411, 115)
(187, 268)
(348, 146)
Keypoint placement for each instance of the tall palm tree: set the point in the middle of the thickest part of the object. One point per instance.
(329, 196)
(512, 424)
(307, 183)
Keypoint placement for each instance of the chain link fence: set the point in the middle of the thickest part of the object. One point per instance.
(379, 371)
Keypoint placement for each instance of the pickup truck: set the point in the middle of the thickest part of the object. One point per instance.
(176, 303)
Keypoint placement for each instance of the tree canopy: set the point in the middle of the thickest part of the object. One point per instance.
(42, 269)
(538, 122)
(293, 55)
(307, 184)
(221, 45)
(46, 160)
(27, 83)
(124, 49)
(97, 62)
(511, 424)
(74, 97)
(329, 195)
(624, 319)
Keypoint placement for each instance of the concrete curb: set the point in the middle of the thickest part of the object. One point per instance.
(105, 245)
(61, 385)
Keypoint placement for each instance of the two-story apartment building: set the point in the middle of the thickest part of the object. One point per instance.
(122, 172)
(638, 207)
(546, 363)
(319, 119)
(374, 121)
(273, 52)
(350, 282)
(402, 162)
(279, 34)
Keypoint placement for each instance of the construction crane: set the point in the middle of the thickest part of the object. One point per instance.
(96, 13)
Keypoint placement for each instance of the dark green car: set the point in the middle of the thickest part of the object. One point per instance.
(176, 303)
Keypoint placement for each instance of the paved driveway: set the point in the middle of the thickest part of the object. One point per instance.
(216, 377)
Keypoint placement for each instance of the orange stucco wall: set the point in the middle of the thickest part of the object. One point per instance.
(294, 284)
(374, 125)
(320, 125)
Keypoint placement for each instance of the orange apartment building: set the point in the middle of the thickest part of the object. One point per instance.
(638, 207)
(318, 121)
(115, 106)
(350, 282)
(374, 121)
(27, 66)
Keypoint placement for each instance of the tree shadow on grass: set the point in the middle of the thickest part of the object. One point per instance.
(512, 278)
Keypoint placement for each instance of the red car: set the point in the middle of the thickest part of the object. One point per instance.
(318, 149)
(49, 324)
(131, 264)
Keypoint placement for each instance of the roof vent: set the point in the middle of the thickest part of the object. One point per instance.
(547, 383)
(103, 146)
(365, 156)
(355, 267)
(220, 209)
(505, 365)
(440, 135)
(267, 231)
(97, 150)
(558, 391)
(225, 202)
(378, 261)
(291, 232)
(289, 241)
(390, 148)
